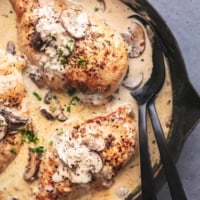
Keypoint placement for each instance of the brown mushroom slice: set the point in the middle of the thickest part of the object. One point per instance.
(81, 163)
(15, 122)
(133, 83)
(33, 166)
(3, 127)
(135, 39)
(103, 4)
(48, 97)
(87, 168)
(36, 75)
(75, 22)
(36, 41)
(62, 117)
(52, 109)
(47, 113)
(94, 142)
(10, 48)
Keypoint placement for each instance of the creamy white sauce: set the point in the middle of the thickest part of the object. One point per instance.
(60, 43)
(12, 183)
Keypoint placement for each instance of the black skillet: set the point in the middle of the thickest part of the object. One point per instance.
(186, 102)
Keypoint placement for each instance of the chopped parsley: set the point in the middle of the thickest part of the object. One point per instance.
(37, 96)
(28, 136)
(60, 132)
(96, 9)
(53, 109)
(51, 143)
(60, 52)
(69, 108)
(82, 62)
(52, 37)
(69, 46)
(69, 49)
(63, 61)
(42, 67)
(72, 102)
(39, 149)
(13, 150)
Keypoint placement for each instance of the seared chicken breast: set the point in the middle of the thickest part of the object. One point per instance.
(13, 115)
(87, 156)
(68, 48)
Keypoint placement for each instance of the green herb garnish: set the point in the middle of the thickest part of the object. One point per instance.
(63, 61)
(39, 149)
(82, 62)
(72, 102)
(51, 143)
(60, 132)
(69, 49)
(60, 52)
(28, 136)
(53, 109)
(37, 96)
(13, 150)
(53, 38)
(42, 67)
(69, 108)
(96, 9)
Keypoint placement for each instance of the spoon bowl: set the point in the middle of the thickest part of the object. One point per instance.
(145, 98)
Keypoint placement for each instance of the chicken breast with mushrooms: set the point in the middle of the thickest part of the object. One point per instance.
(68, 48)
(13, 114)
(87, 156)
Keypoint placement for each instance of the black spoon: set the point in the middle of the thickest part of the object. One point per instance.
(145, 98)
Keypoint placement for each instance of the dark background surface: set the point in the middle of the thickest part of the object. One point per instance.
(183, 18)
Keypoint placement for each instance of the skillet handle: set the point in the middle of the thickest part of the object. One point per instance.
(148, 192)
(173, 179)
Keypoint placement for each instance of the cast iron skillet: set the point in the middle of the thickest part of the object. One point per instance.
(186, 102)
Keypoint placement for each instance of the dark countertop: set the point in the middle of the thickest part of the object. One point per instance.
(183, 18)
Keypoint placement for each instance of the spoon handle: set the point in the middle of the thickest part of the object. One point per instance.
(148, 192)
(174, 182)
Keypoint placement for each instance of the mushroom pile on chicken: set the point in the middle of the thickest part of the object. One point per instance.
(68, 48)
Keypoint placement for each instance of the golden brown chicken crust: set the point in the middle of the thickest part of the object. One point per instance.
(12, 94)
(12, 89)
(119, 135)
(9, 148)
(102, 49)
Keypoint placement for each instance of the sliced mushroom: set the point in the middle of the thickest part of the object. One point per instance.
(10, 47)
(15, 122)
(48, 97)
(132, 83)
(94, 142)
(33, 166)
(36, 41)
(3, 127)
(81, 163)
(135, 39)
(88, 165)
(103, 3)
(75, 22)
(47, 113)
(62, 117)
(52, 109)
(36, 76)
